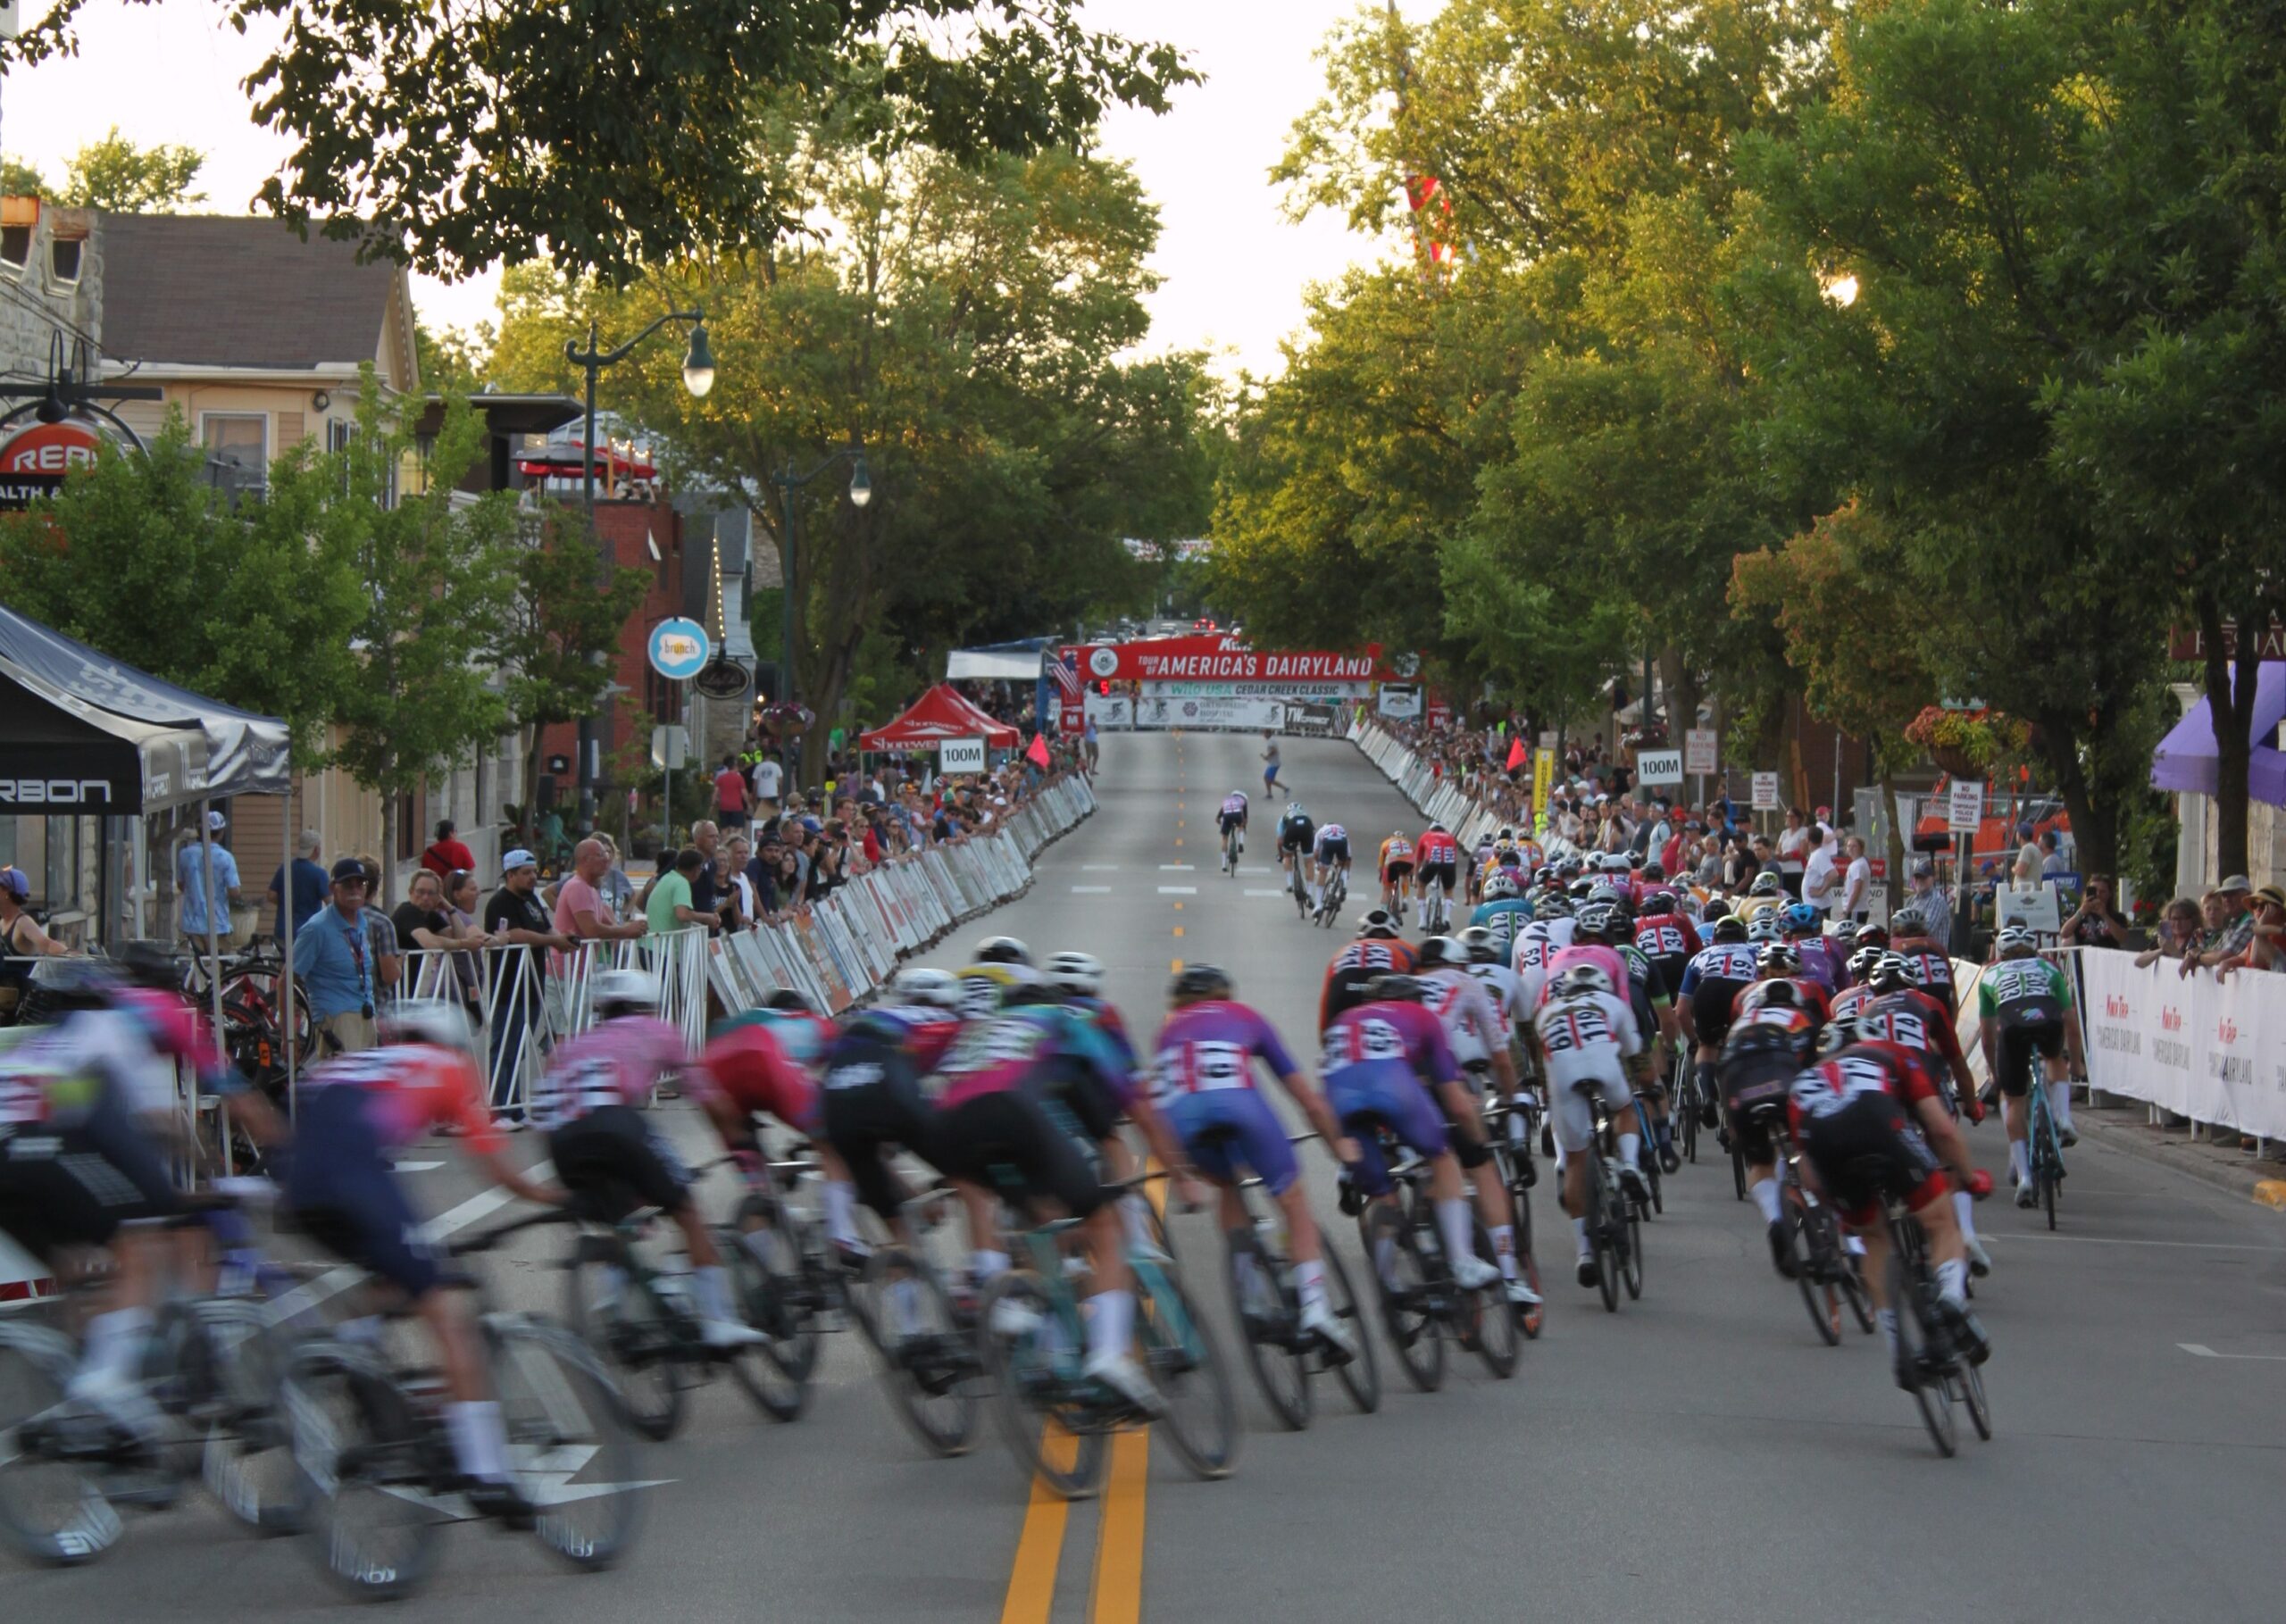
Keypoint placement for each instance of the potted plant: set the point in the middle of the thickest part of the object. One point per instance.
(1968, 744)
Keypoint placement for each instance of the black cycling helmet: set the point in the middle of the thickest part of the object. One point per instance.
(1729, 928)
(1197, 983)
(1001, 949)
(1581, 890)
(146, 963)
(1871, 935)
(1654, 872)
(784, 998)
(1658, 902)
(1441, 953)
(1715, 909)
(1395, 989)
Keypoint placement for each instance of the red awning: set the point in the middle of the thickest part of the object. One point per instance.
(564, 462)
(941, 714)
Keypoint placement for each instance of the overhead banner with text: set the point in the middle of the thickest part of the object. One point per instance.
(1163, 712)
(2214, 1051)
(1220, 659)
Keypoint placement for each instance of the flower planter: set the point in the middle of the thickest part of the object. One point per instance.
(1955, 762)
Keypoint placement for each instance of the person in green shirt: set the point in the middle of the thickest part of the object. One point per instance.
(669, 908)
(2023, 1007)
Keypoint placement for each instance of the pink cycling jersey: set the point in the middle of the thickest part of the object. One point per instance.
(614, 1063)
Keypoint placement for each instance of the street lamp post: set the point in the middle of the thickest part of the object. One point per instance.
(698, 377)
(861, 492)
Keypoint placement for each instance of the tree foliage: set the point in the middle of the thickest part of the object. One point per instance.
(116, 174)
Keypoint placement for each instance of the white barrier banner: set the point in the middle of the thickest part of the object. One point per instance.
(1108, 711)
(1163, 712)
(2213, 1050)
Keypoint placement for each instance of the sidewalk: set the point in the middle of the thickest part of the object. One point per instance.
(2230, 1165)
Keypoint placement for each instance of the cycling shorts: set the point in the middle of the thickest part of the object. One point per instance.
(1225, 1130)
(1869, 1149)
(1398, 872)
(1344, 989)
(343, 1193)
(873, 1099)
(1433, 873)
(1224, 821)
(74, 1186)
(1670, 968)
(1711, 1004)
(1010, 1132)
(1753, 1088)
(1082, 1091)
(1571, 1118)
(1333, 851)
(615, 1166)
(1365, 1098)
(2020, 1040)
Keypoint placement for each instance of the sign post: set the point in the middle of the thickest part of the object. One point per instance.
(1701, 754)
(679, 650)
(1964, 813)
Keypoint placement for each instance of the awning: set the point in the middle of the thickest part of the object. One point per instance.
(941, 714)
(2185, 759)
(60, 756)
(993, 665)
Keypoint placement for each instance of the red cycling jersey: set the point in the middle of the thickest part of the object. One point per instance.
(753, 1071)
(1435, 846)
(1386, 955)
(1912, 1020)
(410, 1089)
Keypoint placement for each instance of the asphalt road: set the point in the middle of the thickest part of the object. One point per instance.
(1698, 1455)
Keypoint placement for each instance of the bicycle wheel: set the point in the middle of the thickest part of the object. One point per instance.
(1807, 1249)
(1401, 1281)
(2048, 1161)
(53, 1512)
(1520, 1206)
(1264, 1313)
(1025, 1361)
(248, 1461)
(368, 1473)
(1737, 1172)
(1907, 1294)
(758, 1371)
(1361, 1375)
(1853, 1291)
(779, 1241)
(1201, 1419)
(927, 1365)
(567, 1445)
(611, 1308)
(1491, 1325)
(1602, 1216)
(1687, 1102)
(1972, 1393)
(1631, 1262)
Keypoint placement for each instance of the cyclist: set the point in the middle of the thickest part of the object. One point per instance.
(986, 976)
(1766, 892)
(1233, 815)
(1589, 1036)
(1329, 852)
(355, 1110)
(1876, 1104)
(1377, 951)
(1804, 926)
(1600, 936)
(2024, 1007)
(1387, 1064)
(1096, 1099)
(1895, 1010)
(1479, 867)
(1488, 961)
(1203, 1083)
(1858, 993)
(1297, 834)
(1477, 1032)
(990, 1117)
(1436, 860)
(1926, 961)
(1772, 1035)
(1396, 871)
(1503, 910)
(1717, 975)
(1548, 934)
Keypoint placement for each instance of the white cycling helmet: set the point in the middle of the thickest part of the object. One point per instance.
(1500, 885)
(930, 988)
(625, 992)
(1579, 980)
(429, 1021)
(2014, 940)
(1080, 974)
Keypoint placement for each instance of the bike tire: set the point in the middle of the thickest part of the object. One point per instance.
(1033, 1414)
(1491, 1322)
(627, 1327)
(1361, 1375)
(779, 1241)
(928, 1368)
(564, 1422)
(368, 1473)
(2048, 1183)
(1532, 1320)
(1398, 1272)
(1201, 1417)
(760, 1372)
(248, 1459)
(1853, 1289)
(1738, 1173)
(1600, 1197)
(1805, 1248)
(52, 1512)
(1690, 1124)
(1631, 1265)
(1274, 1351)
(1973, 1399)
(1908, 1294)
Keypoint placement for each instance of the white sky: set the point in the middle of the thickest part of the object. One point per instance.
(1234, 269)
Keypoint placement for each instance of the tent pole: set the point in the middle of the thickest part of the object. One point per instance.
(213, 940)
(286, 1033)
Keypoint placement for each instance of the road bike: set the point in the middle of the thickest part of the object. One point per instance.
(1928, 1353)
(378, 1467)
(1614, 1218)
(1232, 841)
(1268, 1308)
(1510, 1129)
(1687, 1100)
(1819, 1259)
(1337, 891)
(1438, 915)
(1422, 1305)
(1299, 884)
(1646, 1156)
(2044, 1146)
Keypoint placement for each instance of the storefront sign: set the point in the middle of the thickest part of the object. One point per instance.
(679, 649)
(34, 462)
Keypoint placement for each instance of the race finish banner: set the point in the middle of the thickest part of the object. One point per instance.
(1311, 674)
(1303, 689)
(1249, 713)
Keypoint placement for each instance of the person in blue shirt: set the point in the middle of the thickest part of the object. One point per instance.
(336, 963)
(309, 884)
(207, 890)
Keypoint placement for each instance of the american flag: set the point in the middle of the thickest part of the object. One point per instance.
(1067, 676)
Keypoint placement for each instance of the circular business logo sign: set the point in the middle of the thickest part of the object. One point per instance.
(679, 649)
(723, 679)
(33, 462)
(1103, 661)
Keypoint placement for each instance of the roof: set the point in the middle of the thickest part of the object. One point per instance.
(941, 714)
(506, 414)
(218, 290)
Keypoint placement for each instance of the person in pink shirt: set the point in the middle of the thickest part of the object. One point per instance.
(580, 912)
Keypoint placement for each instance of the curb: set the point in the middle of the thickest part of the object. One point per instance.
(2255, 1182)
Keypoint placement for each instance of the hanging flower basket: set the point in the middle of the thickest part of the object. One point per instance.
(1968, 744)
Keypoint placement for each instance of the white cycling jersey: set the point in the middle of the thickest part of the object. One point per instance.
(1586, 1038)
(1328, 832)
(1505, 989)
(1536, 943)
(1473, 1025)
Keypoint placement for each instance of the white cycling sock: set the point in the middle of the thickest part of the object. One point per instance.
(1952, 1282)
(841, 1211)
(1964, 1213)
(1580, 1233)
(1766, 1199)
(479, 1442)
(2059, 1101)
(1631, 1150)
(115, 1342)
(1385, 1261)
(1309, 1281)
(1317, 895)
(1853, 1245)
(713, 1285)
(1111, 1323)
(1503, 1248)
(985, 1267)
(1452, 1223)
(2020, 1166)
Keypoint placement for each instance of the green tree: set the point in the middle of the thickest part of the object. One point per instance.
(115, 174)
(18, 179)
(616, 136)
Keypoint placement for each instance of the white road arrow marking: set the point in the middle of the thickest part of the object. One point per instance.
(545, 1475)
(2206, 1353)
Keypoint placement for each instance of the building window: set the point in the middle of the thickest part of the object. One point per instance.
(239, 443)
(15, 246)
(338, 432)
(64, 260)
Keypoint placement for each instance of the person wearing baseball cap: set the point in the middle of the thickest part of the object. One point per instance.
(515, 917)
(20, 938)
(206, 883)
(335, 962)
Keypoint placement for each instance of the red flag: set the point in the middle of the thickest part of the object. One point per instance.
(1515, 753)
(1038, 754)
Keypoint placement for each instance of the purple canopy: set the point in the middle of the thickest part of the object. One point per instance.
(2185, 759)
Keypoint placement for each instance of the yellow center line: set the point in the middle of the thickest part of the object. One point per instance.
(1174, 967)
(1178, 929)
(1031, 1583)
(1116, 1596)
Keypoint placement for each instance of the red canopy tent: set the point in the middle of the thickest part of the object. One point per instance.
(941, 714)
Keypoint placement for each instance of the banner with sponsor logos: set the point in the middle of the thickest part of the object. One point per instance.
(1160, 712)
(1109, 710)
(1217, 658)
(2214, 1051)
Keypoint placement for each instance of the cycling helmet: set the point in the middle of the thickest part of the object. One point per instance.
(1580, 979)
(1839, 1033)
(1196, 983)
(1441, 953)
(1554, 906)
(1803, 920)
(1293, 809)
(1544, 876)
(1778, 959)
(623, 992)
(1581, 890)
(1509, 857)
(1715, 909)
(1727, 928)
(1892, 972)
(792, 1002)
(1395, 989)
(149, 964)
(1500, 887)
(1658, 902)
(1764, 884)
(1907, 923)
(1917, 973)
(1764, 927)
(1079, 974)
(1608, 896)
(1507, 834)
(1002, 950)
(1654, 872)
(1483, 948)
(930, 988)
(986, 986)
(1871, 935)
(1567, 868)
(75, 984)
(1596, 919)
(1861, 964)
(429, 1021)
(2013, 941)
(1377, 922)
(1614, 862)
(1436, 828)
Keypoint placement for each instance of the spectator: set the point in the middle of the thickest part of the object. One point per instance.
(742, 887)
(2266, 949)
(380, 930)
(420, 920)
(2096, 923)
(2025, 871)
(2053, 863)
(1088, 744)
(1934, 906)
(308, 881)
(208, 890)
(1857, 883)
(2230, 927)
(1793, 852)
(581, 913)
(670, 907)
(20, 938)
(514, 918)
(768, 775)
(614, 888)
(778, 879)
(705, 893)
(2179, 930)
(446, 852)
(333, 960)
(1820, 875)
(461, 896)
(730, 795)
